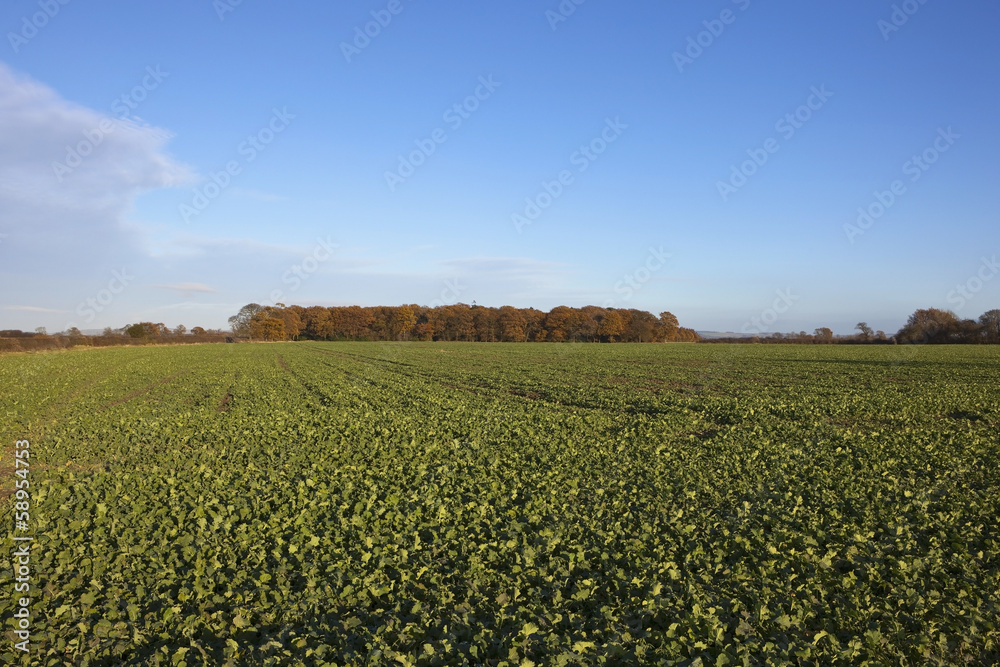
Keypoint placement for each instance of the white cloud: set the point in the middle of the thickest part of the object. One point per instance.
(72, 211)
(185, 245)
(64, 224)
(518, 277)
(63, 232)
(518, 281)
(34, 309)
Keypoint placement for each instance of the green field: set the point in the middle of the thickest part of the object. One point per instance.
(502, 504)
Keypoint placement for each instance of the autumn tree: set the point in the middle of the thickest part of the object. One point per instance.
(316, 323)
(379, 326)
(534, 324)
(612, 326)
(267, 325)
(300, 312)
(685, 335)
(487, 329)
(670, 325)
(240, 322)
(990, 323)
(557, 323)
(354, 322)
(930, 325)
(457, 322)
(424, 330)
(145, 330)
(512, 325)
(291, 322)
(583, 322)
(401, 321)
(823, 334)
(969, 331)
(642, 327)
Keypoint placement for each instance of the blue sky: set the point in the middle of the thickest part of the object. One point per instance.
(644, 109)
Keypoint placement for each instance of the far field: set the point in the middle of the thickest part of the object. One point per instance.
(507, 504)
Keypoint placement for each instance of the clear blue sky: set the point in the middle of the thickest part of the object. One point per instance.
(445, 233)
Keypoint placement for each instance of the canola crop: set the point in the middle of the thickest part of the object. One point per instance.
(507, 504)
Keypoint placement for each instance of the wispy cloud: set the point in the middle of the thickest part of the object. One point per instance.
(191, 245)
(73, 218)
(193, 307)
(34, 309)
(40, 130)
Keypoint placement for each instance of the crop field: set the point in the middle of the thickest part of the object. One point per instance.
(506, 504)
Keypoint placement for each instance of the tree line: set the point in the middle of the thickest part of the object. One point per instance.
(458, 322)
(143, 333)
(943, 327)
(926, 326)
(461, 322)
